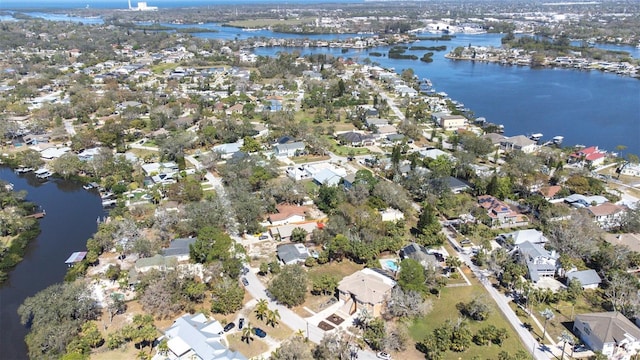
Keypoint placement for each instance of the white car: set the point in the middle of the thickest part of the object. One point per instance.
(384, 355)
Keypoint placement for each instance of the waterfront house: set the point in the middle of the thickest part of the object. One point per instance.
(519, 142)
(590, 156)
(589, 279)
(608, 332)
(196, 337)
(453, 122)
(365, 289)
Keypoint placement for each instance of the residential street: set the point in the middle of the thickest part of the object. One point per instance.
(503, 303)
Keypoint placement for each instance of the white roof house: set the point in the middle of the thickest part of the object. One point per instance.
(54, 153)
(196, 337)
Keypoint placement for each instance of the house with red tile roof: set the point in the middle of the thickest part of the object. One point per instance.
(590, 156)
(549, 192)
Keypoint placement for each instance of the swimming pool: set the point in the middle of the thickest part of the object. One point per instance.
(391, 265)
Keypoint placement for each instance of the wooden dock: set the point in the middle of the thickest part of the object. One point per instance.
(39, 215)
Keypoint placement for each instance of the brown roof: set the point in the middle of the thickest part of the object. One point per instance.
(550, 191)
(609, 326)
(285, 211)
(367, 286)
(605, 209)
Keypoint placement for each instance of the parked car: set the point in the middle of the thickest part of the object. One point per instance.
(384, 355)
(229, 326)
(240, 323)
(259, 332)
(263, 237)
(245, 282)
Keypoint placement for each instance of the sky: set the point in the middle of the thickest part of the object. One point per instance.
(123, 4)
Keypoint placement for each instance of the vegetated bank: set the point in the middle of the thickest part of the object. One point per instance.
(18, 228)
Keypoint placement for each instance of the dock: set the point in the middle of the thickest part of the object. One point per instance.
(39, 215)
(76, 257)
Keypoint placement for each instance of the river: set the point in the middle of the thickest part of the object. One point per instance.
(70, 221)
(586, 107)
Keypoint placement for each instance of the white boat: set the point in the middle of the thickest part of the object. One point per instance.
(9, 187)
(536, 136)
(558, 140)
(42, 173)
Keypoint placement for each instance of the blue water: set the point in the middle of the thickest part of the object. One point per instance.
(123, 4)
(588, 108)
(391, 264)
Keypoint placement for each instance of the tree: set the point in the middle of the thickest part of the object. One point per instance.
(262, 308)
(211, 244)
(460, 337)
(273, 317)
(289, 287)
(477, 309)
(453, 262)
(333, 346)
(576, 237)
(325, 284)
(411, 276)
(227, 296)
(299, 235)
(375, 333)
(547, 314)
(247, 333)
(115, 306)
(67, 165)
(406, 304)
(91, 335)
(293, 348)
(622, 292)
(565, 338)
(54, 317)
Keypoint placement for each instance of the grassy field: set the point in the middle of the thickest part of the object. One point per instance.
(255, 348)
(260, 23)
(445, 309)
(160, 68)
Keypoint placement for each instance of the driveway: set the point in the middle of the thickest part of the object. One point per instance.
(503, 304)
(288, 317)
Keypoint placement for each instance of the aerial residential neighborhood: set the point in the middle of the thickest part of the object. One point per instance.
(310, 205)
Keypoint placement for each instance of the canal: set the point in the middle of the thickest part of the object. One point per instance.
(70, 221)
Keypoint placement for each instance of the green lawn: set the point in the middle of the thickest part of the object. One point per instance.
(445, 309)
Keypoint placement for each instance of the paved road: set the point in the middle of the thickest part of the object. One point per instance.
(501, 300)
(291, 319)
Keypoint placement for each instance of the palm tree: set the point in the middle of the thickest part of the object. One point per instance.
(566, 337)
(273, 317)
(262, 307)
(547, 314)
(247, 333)
(453, 262)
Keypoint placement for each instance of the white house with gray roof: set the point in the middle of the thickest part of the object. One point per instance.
(289, 149)
(589, 279)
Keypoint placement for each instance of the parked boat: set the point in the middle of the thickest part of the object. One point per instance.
(558, 140)
(536, 137)
(43, 174)
(22, 170)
